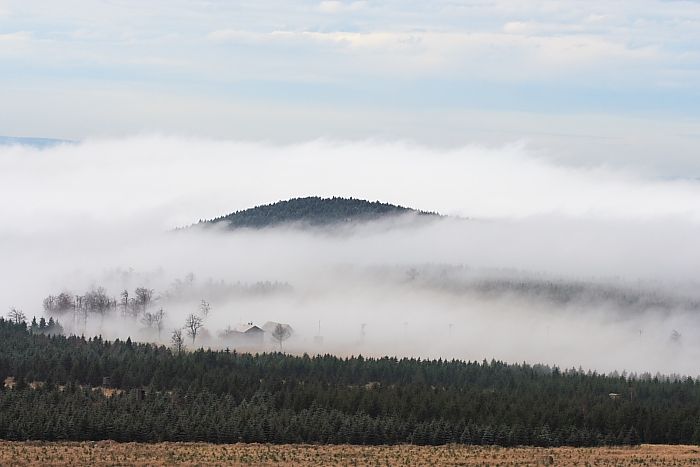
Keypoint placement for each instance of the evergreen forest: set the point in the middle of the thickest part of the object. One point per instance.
(314, 211)
(73, 388)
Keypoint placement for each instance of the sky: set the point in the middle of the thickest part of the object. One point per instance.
(585, 83)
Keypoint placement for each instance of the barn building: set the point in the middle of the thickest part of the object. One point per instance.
(244, 335)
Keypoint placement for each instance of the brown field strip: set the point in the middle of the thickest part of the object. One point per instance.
(111, 453)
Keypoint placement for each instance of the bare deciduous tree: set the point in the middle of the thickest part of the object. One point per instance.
(154, 320)
(193, 324)
(281, 333)
(144, 296)
(59, 304)
(178, 341)
(124, 302)
(16, 315)
(158, 320)
(50, 304)
(148, 319)
(97, 301)
(204, 308)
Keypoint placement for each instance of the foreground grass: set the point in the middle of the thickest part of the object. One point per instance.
(111, 453)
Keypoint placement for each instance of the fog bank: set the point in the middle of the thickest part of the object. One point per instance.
(576, 267)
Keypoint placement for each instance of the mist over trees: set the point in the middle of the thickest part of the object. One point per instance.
(154, 320)
(281, 333)
(621, 297)
(398, 294)
(271, 397)
(177, 341)
(59, 304)
(279, 398)
(193, 324)
(97, 303)
(143, 308)
(16, 316)
(191, 289)
(58, 388)
(42, 326)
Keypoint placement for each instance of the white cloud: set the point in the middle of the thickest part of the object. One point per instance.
(540, 42)
(10, 38)
(175, 181)
(229, 35)
(488, 55)
(330, 6)
(538, 29)
(335, 6)
(20, 44)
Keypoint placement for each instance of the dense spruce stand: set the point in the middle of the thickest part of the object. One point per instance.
(156, 394)
(314, 211)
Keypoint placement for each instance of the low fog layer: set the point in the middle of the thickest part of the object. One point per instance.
(552, 264)
(159, 183)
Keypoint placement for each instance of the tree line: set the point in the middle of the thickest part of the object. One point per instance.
(145, 307)
(156, 394)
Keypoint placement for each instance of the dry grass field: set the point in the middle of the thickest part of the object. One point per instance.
(111, 453)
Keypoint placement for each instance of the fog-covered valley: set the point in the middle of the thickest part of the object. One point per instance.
(383, 290)
(574, 282)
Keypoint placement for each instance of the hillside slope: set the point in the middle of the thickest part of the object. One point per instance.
(313, 210)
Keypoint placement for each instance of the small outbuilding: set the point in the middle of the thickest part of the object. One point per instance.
(244, 335)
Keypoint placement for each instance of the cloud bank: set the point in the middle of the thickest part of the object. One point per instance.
(617, 246)
(175, 181)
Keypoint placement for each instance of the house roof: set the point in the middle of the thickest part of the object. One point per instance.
(247, 328)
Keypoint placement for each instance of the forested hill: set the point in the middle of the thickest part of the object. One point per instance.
(313, 210)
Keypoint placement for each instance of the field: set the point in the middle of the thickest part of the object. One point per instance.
(111, 453)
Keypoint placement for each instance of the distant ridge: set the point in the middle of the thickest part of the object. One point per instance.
(314, 211)
(34, 142)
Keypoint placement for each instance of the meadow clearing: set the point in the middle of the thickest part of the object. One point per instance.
(112, 453)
